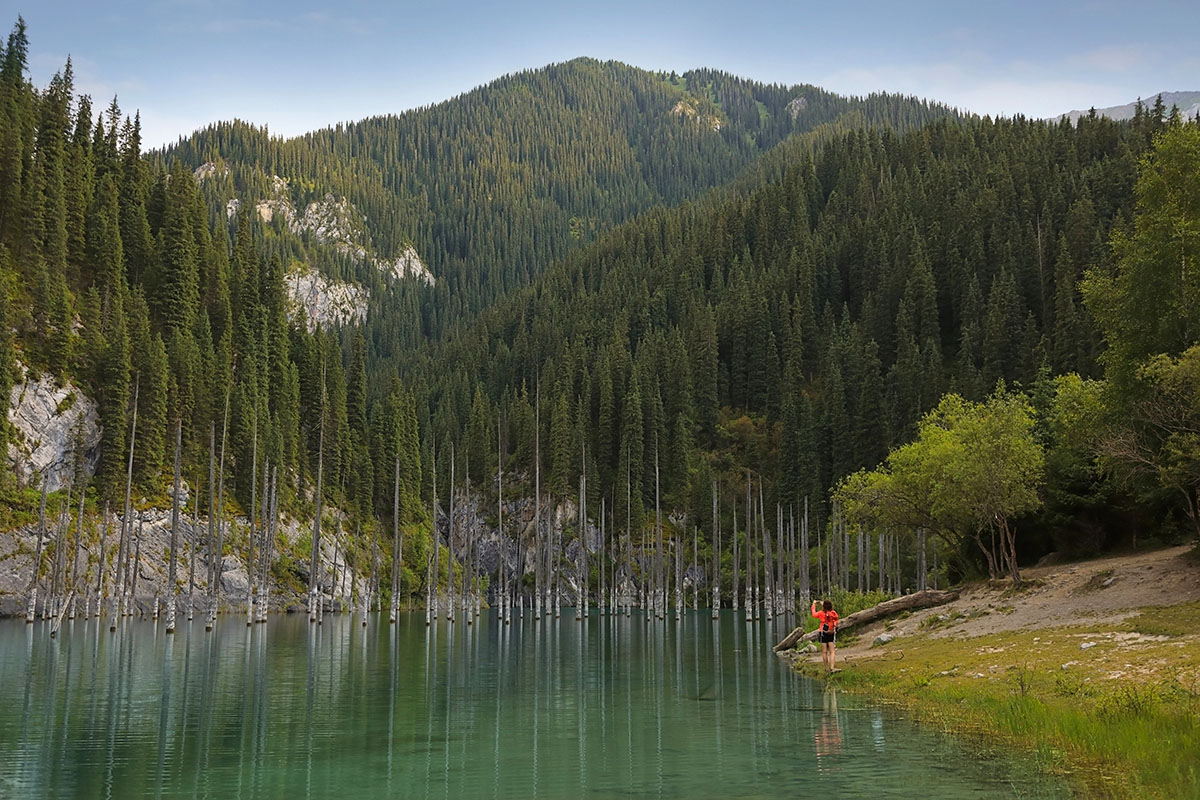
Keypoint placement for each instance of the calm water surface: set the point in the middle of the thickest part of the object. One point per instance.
(610, 707)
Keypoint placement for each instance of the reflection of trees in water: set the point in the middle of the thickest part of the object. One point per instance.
(828, 735)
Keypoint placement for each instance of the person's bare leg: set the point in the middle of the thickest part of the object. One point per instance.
(832, 656)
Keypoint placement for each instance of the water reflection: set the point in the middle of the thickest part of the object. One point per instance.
(549, 708)
(827, 736)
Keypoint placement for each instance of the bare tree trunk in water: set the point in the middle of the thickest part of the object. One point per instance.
(733, 516)
(750, 598)
(540, 568)
(397, 548)
(268, 525)
(119, 571)
(716, 565)
(75, 555)
(171, 588)
(251, 572)
(430, 577)
(658, 532)
(31, 608)
(372, 582)
(503, 588)
(100, 562)
(314, 560)
(136, 567)
(805, 575)
(262, 566)
(219, 566)
(450, 544)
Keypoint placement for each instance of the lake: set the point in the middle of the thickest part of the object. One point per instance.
(612, 706)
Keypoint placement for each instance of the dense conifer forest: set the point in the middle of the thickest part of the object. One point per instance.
(678, 280)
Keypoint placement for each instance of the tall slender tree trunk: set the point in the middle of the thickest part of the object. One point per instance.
(220, 560)
(174, 556)
(716, 564)
(450, 544)
(136, 568)
(397, 547)
(100, 561)
(268, 543)
(751, 603)
(74, 587)
(805, 557)
(658, 531)
(122, 545)
(314, 560)
(31, 608)
(736, 563)
(540, 565)
(251, 572)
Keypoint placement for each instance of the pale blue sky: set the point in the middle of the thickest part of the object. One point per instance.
(300, 65)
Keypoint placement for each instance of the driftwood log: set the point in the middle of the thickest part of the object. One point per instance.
(926, 599)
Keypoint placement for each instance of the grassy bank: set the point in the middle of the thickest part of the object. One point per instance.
(1115, 708)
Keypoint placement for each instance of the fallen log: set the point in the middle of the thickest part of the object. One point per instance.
(909, 602)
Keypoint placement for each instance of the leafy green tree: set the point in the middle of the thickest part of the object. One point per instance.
(1148, 311)
(972, 469)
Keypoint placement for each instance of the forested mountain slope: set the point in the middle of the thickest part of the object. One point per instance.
(493, 185)
(802, 327)
(138, 279)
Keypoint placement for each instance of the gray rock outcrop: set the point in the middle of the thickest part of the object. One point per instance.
(316, 300)
(56, 427)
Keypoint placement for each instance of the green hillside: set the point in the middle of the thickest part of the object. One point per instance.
(492, 186)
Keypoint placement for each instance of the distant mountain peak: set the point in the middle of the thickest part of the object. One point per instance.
(1188, 104)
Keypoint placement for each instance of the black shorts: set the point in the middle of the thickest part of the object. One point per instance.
(826, 637)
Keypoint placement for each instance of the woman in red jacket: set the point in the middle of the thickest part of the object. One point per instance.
(827, 632)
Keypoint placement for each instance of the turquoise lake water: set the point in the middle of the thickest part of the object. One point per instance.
(610, 707)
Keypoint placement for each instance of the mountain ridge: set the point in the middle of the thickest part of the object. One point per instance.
(492, 185)
(1188, 103)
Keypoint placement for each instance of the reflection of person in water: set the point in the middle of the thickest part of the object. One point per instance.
(828, 736)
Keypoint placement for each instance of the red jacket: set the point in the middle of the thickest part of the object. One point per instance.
(828, 619)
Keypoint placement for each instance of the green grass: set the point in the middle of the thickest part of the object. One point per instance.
(1166, 620)
(1115, 721)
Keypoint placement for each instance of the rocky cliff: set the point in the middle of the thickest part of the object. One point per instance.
(56, 431)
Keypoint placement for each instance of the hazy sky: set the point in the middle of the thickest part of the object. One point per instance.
(299, 65)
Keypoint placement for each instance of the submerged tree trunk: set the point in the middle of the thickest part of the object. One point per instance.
(805, 588)
(174, 530)
(397, 547)
(31, 608)
(314, 560)
(716, 570)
